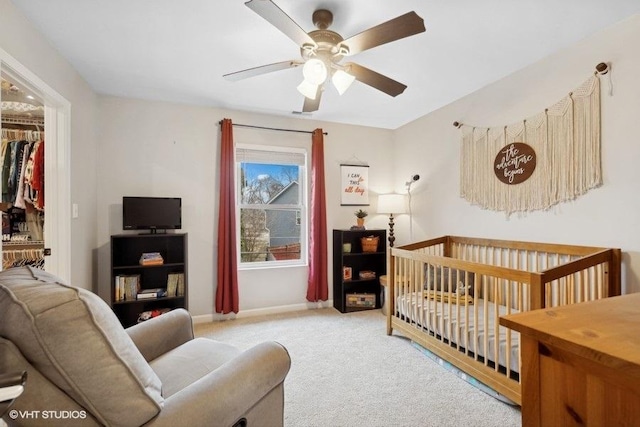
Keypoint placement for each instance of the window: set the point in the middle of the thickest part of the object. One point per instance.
(271, 186)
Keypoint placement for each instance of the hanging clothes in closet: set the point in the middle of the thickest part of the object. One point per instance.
(22, 182)
(23, 173)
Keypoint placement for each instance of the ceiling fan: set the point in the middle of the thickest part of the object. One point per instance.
(322, 51)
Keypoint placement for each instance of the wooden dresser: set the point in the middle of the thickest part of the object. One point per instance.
(581, 363)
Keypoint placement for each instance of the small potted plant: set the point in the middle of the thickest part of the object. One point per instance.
(360, 215)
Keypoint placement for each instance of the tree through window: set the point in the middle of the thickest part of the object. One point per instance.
(272, 199)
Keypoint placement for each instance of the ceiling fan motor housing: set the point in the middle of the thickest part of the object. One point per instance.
(327, 45)
(322, 19)
(327, 42)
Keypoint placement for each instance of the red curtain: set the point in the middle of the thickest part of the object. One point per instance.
(227, 290)
(318, 284)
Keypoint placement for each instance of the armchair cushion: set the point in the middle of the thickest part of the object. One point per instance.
(251, 386)
(73, 338)
(191, 361)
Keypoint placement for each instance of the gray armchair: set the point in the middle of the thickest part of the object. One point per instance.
(84, 369)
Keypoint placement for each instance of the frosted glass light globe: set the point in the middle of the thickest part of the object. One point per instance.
(314, 71)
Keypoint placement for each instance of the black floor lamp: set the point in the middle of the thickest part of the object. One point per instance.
(391, 204)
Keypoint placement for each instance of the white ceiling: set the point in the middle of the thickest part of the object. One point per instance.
(178, 50)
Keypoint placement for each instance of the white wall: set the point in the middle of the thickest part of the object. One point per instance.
(162, 149)
(24, 43)
(608, 216)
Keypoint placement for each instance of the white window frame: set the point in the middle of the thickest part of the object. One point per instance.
(304, 208)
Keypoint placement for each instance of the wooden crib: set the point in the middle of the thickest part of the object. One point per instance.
(447, 294)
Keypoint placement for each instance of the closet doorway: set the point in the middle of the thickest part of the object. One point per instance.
(36, 223)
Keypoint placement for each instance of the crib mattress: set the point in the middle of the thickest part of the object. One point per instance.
(472, 327)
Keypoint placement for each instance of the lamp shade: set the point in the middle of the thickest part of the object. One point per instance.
(314, 71)
(391, 204)
(307, 89)
(342, 80)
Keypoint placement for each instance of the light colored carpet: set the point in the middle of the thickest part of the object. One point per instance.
(346, 371)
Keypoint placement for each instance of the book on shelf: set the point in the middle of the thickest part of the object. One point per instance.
(175, 284)
(152, 293)
(180, 284)
(126, 287)
(151, 258)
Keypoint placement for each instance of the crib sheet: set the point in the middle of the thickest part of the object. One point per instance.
(450, 320)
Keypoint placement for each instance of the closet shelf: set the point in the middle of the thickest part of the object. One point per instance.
(29, 244)
(20, 120)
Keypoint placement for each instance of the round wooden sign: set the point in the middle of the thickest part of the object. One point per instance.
(515, 163)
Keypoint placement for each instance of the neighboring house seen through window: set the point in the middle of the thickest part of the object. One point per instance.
(272, 205)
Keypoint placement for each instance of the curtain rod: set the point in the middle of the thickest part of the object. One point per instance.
(268, 128)
(602, 68)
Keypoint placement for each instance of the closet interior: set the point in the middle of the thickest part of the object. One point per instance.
(22, 172)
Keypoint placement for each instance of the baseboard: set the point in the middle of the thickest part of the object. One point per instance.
(215, 317)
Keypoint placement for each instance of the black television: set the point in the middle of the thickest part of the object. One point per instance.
(151, 213)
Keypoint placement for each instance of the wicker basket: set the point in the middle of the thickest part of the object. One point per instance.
(370, 243)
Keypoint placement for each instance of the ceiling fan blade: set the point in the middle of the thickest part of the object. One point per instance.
(311, 105)
(272, 13)
(264, 69)
(375, 80)
(398, 28)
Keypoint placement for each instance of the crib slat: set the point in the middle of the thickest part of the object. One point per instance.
(485, 319)
(507, 345)
(496, 326)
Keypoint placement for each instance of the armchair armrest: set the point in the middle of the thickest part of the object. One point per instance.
(158, 335)
(225, 395)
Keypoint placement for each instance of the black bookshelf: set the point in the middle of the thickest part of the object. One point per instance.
(126, 250)
(357, 260)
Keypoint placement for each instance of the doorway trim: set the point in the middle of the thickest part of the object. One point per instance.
(57, 122)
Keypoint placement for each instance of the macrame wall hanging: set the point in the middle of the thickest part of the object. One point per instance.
(546, 159)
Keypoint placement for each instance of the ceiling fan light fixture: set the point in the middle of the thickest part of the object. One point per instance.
(323, 49)
(314, 71)
(308, 89)
(342, 80)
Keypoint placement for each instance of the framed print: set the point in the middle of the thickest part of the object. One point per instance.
(347, 273)
(355, 185)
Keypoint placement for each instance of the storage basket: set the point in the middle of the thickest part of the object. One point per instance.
(361, 300)
(369, 243)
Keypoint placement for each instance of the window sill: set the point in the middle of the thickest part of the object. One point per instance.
(269, 266)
